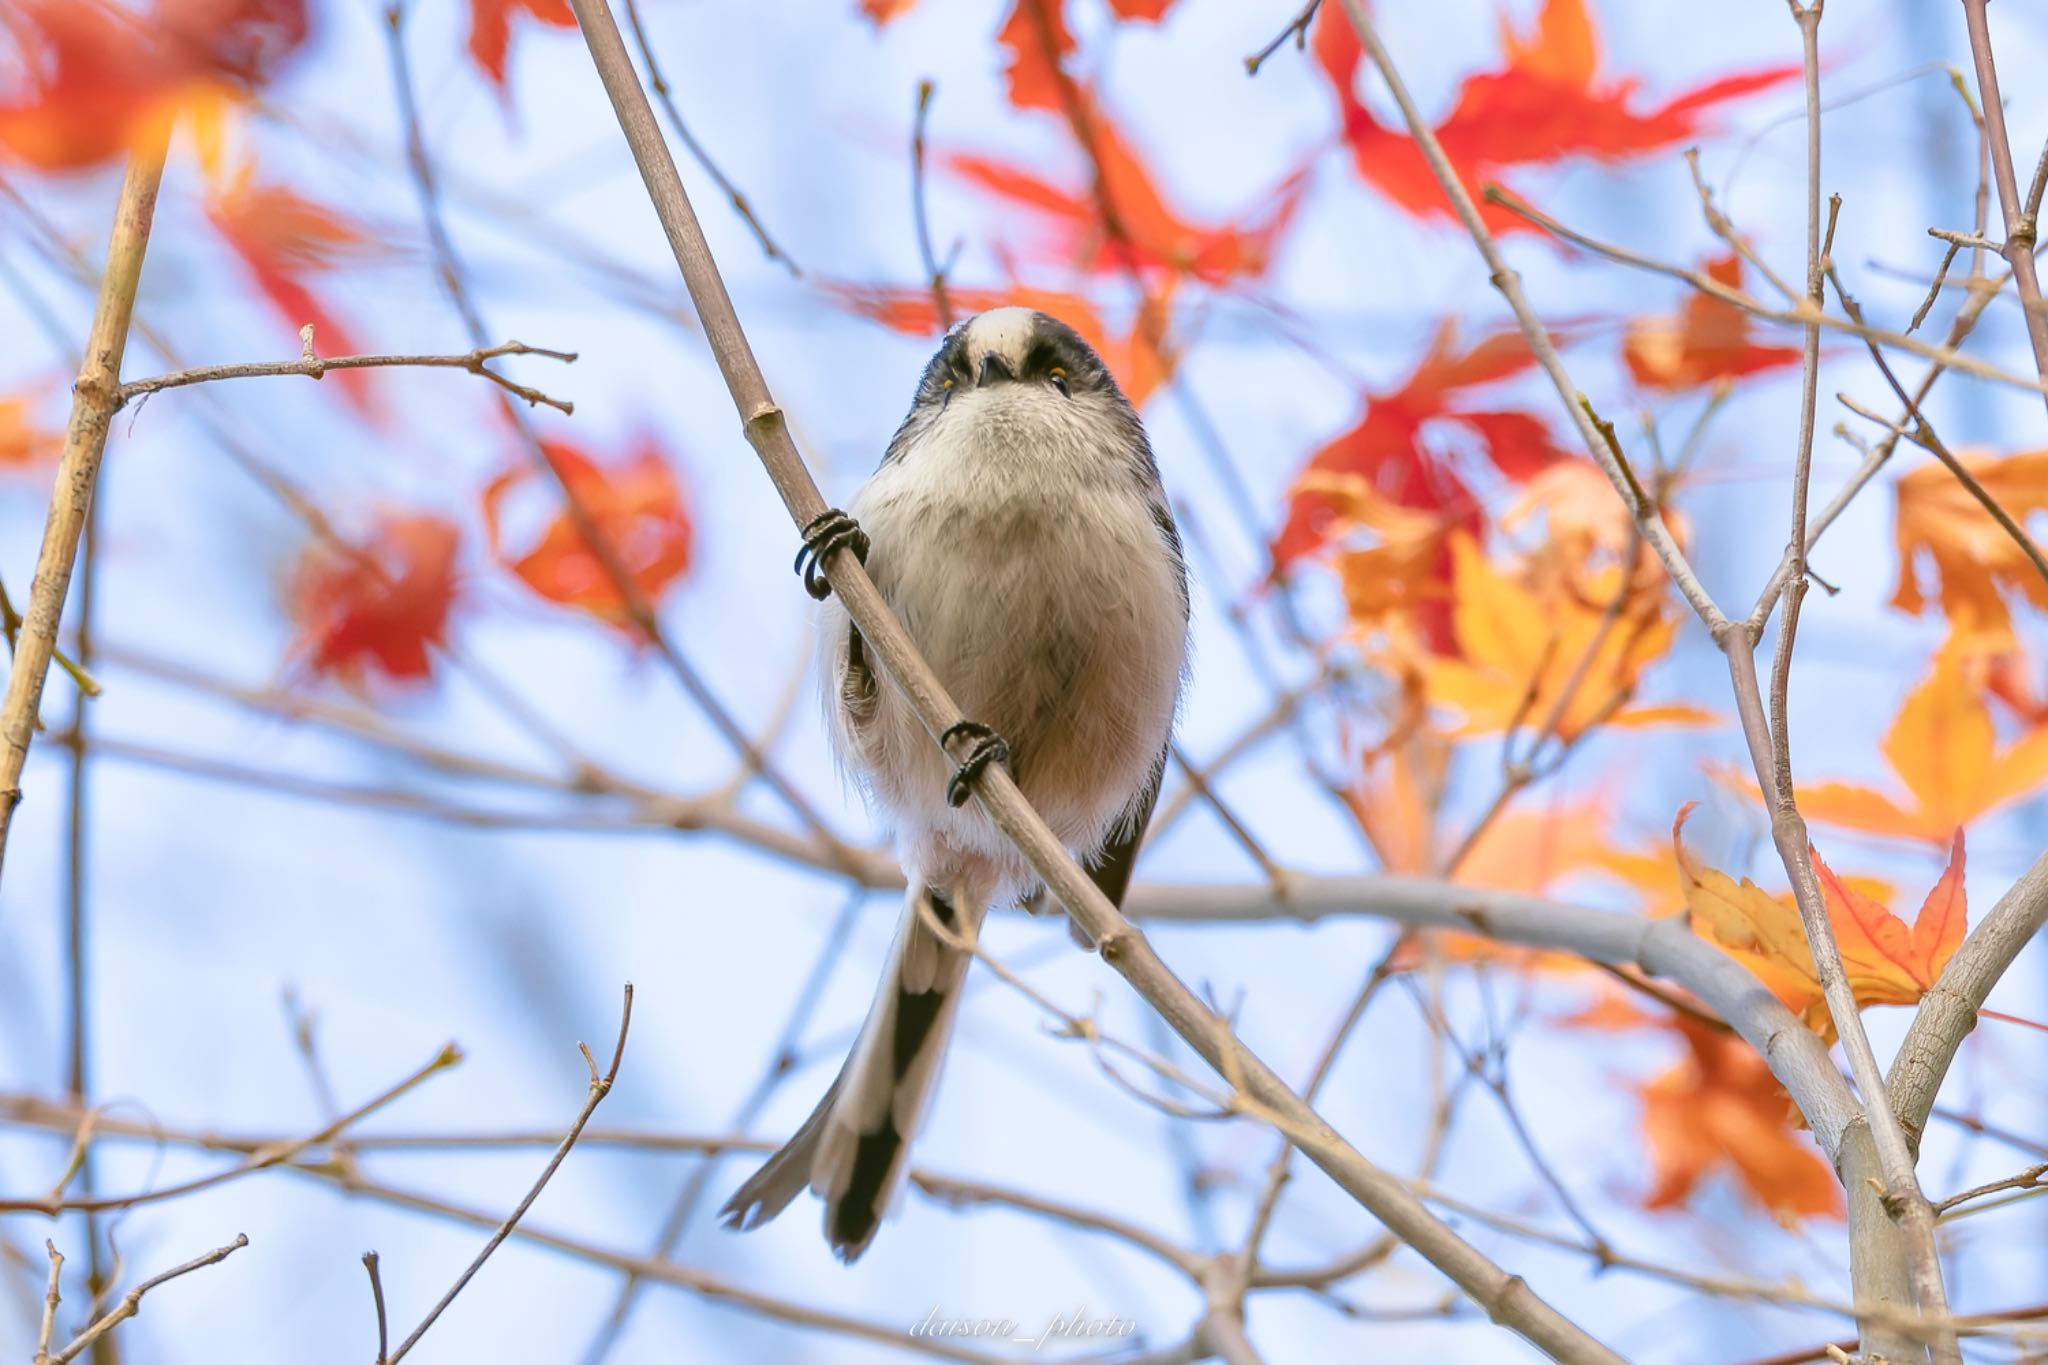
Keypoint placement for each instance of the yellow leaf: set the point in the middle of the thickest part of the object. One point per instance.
(1979, 563)
(1944, 750)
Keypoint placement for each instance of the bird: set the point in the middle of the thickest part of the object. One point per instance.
(1018, 528)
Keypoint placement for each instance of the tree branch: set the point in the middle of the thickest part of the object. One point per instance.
(2018, 248)
(131, 1303)
(600, 1086)
(93, 402)
(313, 367)
(1506, 1297)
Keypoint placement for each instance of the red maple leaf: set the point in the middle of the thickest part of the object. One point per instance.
(1708, 340)
(1390, 449)
(1039, 43)
(1121, 221)
(638, 509)
(490, 30)
(1543, 106)
(96, 79)
(379, 605)
(284, 240)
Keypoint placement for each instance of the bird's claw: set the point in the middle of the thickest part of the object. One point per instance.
(988, 748)
(831, 530)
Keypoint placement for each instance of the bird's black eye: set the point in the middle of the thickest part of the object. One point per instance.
(1058, 375)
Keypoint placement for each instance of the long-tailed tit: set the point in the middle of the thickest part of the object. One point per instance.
(1018, 529)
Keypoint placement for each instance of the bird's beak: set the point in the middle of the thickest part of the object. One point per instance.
(992, 366)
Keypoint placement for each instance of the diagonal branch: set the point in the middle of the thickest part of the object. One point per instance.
(93, 401)
(1505, 1296)
(2020, 227)
(600, 1086)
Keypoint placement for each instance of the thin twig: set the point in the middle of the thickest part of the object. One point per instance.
(934, 272)
(377, 1297)
(50, 1302)
(1922, 434)
(2029, 1179)
(2018, 249)
(1706, 284)
(131, 1302)
(600, 1086)
(1297, 29)
(257, 1160)
(313, 367)
(659, 84)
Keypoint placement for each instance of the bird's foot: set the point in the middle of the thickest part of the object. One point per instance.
(988, 748)
(830, 531)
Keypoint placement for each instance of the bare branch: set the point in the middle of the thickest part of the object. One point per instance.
(1506, 1297)
(2018, 249)
(93, 401)
(1297, 29)
(260, 1159)
(313, 367)
(50, 1302)
(657, 83)
(600, 1086)
(131, 1303)
(934, 272)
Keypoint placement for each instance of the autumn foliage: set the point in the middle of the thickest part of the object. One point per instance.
(1487, 642)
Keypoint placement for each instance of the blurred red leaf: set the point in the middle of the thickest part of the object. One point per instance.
(882, 11)
(1121, 221)
(1151, 11)
(285, 239)
(1722, 1105)
(490, 30)
(1140, 358)
(1039, 43)
(637, 507)
(379, 605)
(95, 79)
(1543, 106)
(1388, 449)
(1707, 340)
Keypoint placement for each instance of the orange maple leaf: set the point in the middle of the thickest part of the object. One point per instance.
(1039, 42)
(1543, 106)
(97, 79)
(1706, 341)
(1140, 359)
(490, 31)
(637, 507)
(1399, 575)
(379, 606)
(1944, 749)
(1886, 961)
(1519, 650)
(1722, 1105)
(881, 12)
(285, 239)
(1394, 450)
(1120, 221)
(24, 441)
(1980, 565)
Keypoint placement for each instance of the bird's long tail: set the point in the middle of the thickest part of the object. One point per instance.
(852, 1149)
